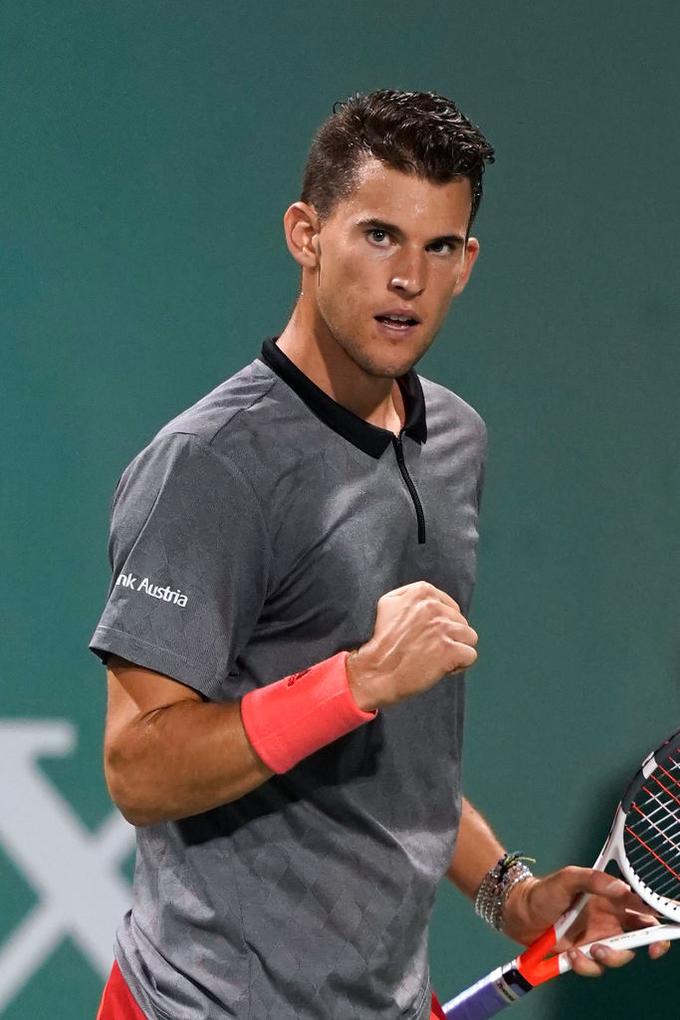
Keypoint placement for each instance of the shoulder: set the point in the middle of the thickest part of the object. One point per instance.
(197, 455)
(179, 496)
(215, 418)
(243, 422)
(218, 435)
(446, 408)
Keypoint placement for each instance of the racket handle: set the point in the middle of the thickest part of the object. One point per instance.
(489, 996)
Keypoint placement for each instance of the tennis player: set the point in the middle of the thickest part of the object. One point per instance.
(287, 629)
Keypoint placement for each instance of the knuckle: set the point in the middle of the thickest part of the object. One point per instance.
(470, 636)
(433, 624)
(464, 657)
(444, 640)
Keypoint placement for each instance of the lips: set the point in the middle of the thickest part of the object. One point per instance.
(392, 327)
(398, 316)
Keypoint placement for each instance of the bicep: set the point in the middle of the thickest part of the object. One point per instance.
(134, 694)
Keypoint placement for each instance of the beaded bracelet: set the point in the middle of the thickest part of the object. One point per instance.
(493, 892)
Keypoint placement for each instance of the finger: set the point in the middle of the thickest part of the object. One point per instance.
(658, 949)
(461, 633)
(601, 884)
(426, 591)
(612, 957)
(635, 904)
(437, 593)
(634, 920)
(580, 964)
(463, 656)
(597, 883)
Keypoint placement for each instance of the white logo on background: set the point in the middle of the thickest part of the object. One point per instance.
(166, 593)
(73, 871)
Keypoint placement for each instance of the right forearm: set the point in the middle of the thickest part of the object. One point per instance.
(170, 755)
(181, 760)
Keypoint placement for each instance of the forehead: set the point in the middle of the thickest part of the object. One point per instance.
(407, 200)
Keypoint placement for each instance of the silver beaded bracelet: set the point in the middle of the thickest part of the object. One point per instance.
(508, 872)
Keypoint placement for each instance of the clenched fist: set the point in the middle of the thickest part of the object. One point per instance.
(419, 636)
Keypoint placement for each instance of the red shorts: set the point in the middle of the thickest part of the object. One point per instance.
(117, 1002)
(437, 1011)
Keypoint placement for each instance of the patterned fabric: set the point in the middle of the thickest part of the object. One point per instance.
(251, 539)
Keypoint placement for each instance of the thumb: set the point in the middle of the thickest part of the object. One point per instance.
(575, 880)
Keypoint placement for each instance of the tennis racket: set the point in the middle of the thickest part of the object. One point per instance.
(644, 841)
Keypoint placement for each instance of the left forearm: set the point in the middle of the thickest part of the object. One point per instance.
(533, 904)
(477, 850)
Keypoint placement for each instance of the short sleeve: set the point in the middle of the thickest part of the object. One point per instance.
(190, 557)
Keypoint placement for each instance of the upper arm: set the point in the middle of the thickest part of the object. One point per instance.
(191, 557)
(135, 693)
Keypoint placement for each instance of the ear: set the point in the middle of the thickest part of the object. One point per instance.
(469, 258)
(301, 227)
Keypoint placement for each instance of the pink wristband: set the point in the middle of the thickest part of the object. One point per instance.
(287, 720)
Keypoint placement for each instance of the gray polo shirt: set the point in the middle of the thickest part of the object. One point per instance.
(251, 538)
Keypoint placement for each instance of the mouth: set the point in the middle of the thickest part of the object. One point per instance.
(397, 325)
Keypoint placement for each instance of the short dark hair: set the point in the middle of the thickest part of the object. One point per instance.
(415, 132)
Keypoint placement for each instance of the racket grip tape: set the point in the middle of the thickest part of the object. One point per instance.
(489, 996)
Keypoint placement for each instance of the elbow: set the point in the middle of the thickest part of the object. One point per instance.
(125, 786)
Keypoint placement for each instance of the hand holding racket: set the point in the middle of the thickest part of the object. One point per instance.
(644, 841)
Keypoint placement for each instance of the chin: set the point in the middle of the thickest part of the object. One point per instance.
(382, 360)
(391, 364)
(388, 369)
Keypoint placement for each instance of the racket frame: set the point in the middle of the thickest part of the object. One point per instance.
(506, 984)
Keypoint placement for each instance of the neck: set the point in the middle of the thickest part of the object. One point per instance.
(309, 345)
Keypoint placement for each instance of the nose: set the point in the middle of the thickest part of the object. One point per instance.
(409, 275)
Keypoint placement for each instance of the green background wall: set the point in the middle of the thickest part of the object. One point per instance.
(148, 152)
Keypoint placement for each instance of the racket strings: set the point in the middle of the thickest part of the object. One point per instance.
(652, 840)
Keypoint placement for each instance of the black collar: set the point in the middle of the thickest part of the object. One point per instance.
(369, 438)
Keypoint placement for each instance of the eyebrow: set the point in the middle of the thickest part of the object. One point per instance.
(455, 240)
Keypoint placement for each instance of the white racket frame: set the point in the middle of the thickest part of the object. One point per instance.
(613, 850)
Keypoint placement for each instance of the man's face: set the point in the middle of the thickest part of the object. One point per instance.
(396, 244)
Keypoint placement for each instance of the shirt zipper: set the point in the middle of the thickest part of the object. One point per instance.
(399, 450)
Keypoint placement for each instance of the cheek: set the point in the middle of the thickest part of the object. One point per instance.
(350, 282)
(447, 281)
(439, 308)
(444, 306)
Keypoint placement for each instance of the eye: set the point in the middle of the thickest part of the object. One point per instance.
(437, 247)
(377, 230)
